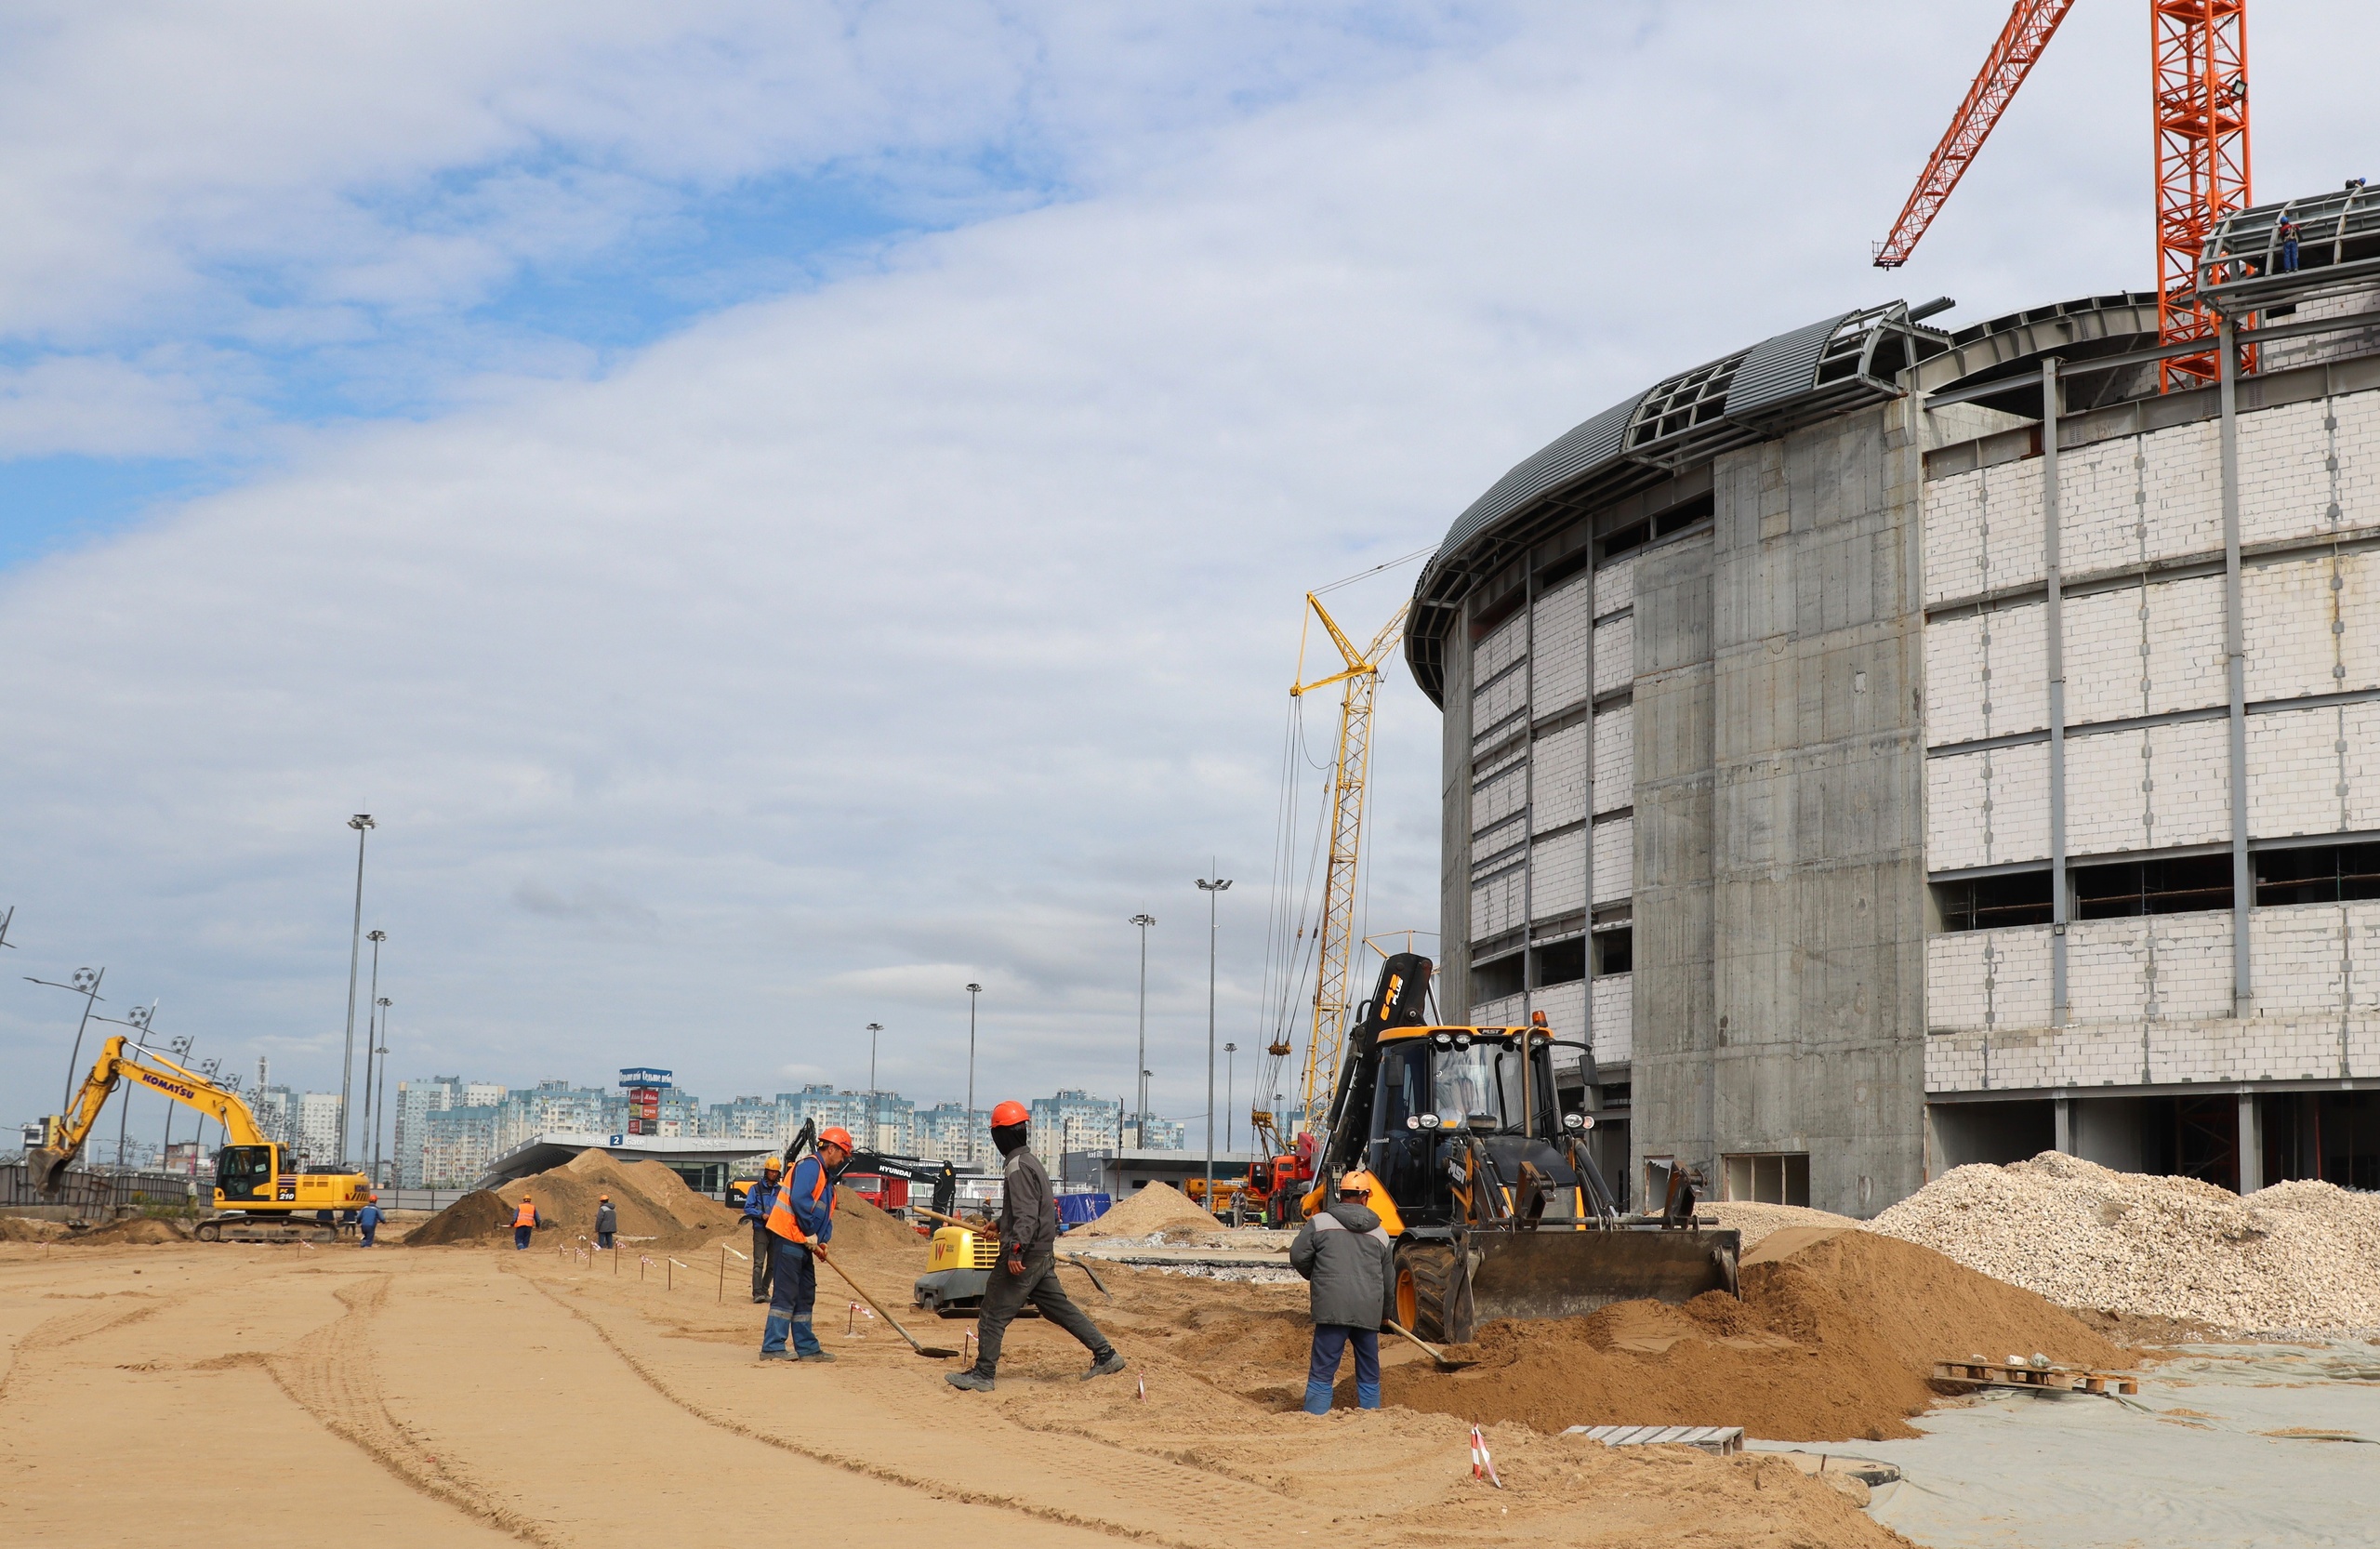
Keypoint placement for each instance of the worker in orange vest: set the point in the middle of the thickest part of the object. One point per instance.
(524, 1221)
(801, 1216)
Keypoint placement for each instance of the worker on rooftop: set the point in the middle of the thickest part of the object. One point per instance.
(525, 1220)
(1346, 1254)
(607, 1221)
(1028, 1267)
(802, 1215)
(759, 1200)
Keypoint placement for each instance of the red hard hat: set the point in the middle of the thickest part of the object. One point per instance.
(1007, 1114)
(834, 1135)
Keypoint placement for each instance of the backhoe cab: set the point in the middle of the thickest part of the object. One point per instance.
(1487, 1186)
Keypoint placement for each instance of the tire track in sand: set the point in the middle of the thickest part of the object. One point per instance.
(330, 1375)
(54, 1335)
(940, 1490)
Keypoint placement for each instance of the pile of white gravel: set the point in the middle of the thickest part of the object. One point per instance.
(2295, 1256)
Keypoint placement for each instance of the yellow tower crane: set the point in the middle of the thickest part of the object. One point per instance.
(1335, 934)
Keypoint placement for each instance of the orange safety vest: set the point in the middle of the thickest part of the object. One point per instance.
(527, 1215)
(781, 1219)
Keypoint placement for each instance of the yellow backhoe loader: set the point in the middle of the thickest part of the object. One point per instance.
(1496, 1208)
(261, 1191)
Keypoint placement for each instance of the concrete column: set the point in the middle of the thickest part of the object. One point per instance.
(2062, 1115)
(2053, 625)
(2235, 658)
(2252, 1145)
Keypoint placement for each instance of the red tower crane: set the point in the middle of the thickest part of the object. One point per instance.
(2199, 101)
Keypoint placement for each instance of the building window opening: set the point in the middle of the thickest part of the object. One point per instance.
(1994, 902)
(1615, 951)
(2188, 886)
(1636, 536)
(1777, 1178)
(1685, 514)
(1493, 981)
(1564, 962)
(2318, 874)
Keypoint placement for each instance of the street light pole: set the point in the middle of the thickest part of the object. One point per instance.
(874, 1115)
(1141, 1083)
(1211, 887)
(371, 1038)
(382, 1002)
(1230, 1085)
(85, 983)
(363, 824)
(138, 1020)
(180, 1049)
(972, 991)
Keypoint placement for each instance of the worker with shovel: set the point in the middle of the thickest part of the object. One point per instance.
(1346, 1254)
(1028, 1267)
(801, 1216)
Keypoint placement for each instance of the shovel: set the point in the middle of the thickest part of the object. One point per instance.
(1079, 1262)
(931, 1352)
(1445, 1362)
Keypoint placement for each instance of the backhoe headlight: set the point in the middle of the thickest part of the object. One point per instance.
(1412, 1120)
(1463, 1040)
(1576, 1122)
(1444, 1040)
(1429, 1121)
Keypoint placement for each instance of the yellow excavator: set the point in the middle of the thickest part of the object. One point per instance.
(1485, 1186)
(260, 1190)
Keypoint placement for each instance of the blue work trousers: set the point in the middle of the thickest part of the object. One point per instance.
(793, 1294)
(521, 1238)
(1331, 1342)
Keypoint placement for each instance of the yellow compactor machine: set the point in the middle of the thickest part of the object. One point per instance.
(262, 1192)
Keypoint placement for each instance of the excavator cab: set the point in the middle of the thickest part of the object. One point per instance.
(242, 1173)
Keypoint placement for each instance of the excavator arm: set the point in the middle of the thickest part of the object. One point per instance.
(63, 1134)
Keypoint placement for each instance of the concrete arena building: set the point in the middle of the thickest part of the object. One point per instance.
(1866, 821)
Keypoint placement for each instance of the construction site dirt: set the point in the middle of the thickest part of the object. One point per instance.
(564, 1396)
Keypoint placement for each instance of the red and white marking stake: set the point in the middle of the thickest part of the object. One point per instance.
(1482, 1466)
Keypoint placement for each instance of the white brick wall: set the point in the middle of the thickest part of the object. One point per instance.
(2167, 967)
(2284, 480)
(2099, 509)
(1961, 831)
(2309, 771)
(2185, 636)
(1983, 530)
(2148, 788)
(1988, 979)
(1503, 646)
(1495, 905)
(1986, 675)
(2299, 962)
(1498, 794)
(1560, 864)
(1615, 858)
(2184, 489)
(2104, 657)
(1616, 654)
(1505, 1012)
(1561, 777)
(1496, 703)
(1615, 752)
(1615, 1041)
(2286, 610)
(1616, 586)
(1566, 1010)
(1558, 654)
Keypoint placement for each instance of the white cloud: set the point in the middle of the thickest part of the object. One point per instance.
(941, 617)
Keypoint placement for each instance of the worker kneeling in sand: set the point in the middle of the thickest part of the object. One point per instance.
(1347, 1256)
(1028, 1269)
(801, 1216)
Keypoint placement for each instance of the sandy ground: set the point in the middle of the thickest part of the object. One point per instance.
(470, 1395)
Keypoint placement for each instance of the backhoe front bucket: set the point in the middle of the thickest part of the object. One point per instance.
(43, 1165)
(1569, 1274)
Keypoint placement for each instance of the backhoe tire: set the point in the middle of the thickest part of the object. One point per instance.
(1431, 1298)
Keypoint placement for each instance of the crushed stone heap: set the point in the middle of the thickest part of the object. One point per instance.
(2301, 1255)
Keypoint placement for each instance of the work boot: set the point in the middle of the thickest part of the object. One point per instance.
(818, 1355)
(779, 1355)
(973, 1382)
(1106, 1365)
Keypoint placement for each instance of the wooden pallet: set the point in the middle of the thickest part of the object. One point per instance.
(1723, 1441)
(2051, 1379)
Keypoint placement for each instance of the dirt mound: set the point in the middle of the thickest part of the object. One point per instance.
(2297, 1255)
(1757, 1221)
(1154, 1208)
(866, 1235)
(140, 1230)
(1834, 1340)
(474, 1218)
(23, 1228)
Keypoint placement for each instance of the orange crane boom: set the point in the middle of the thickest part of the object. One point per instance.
(2030, 28)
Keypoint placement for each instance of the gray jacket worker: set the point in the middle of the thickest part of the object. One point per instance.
(607, 1221)
(1346, 1256)
(1028, 1267)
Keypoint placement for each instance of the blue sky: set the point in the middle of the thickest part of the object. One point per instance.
(784, 510)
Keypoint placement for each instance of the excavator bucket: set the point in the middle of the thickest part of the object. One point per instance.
(44, 1164)
(1569, 1274)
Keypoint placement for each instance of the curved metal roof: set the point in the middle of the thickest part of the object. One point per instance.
(1833, 365)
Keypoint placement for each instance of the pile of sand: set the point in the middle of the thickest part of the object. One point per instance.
(1834, 1340)
(1757, 1221)
(651, 1201)
(866, 1235)
(1159, 1207)
(140, 1230)
(23, 1228)
(2295, 1256)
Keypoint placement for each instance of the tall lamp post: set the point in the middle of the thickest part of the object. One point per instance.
(1141, 1086)
(972, 991)
(371, 1040)
(179, 1049)
(363, 824)
(1213, 887)
(1231, 1084)
(383, 1002)
(874, 1115)
(84, 982)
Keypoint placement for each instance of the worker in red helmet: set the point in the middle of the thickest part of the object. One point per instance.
(1028, 1267)
(802, 1216)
